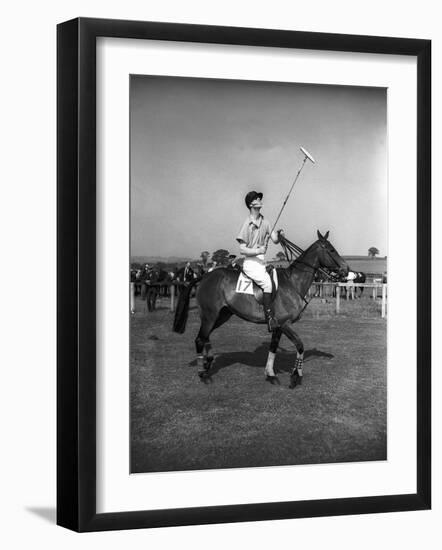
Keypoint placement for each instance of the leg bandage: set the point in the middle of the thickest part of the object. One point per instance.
(269, 366)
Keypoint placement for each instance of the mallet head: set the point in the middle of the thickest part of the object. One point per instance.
(307, 154)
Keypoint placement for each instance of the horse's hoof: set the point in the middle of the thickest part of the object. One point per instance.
(272, 379)
(295, 379)
(204, 377)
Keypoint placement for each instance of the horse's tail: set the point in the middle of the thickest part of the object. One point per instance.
(182, 308)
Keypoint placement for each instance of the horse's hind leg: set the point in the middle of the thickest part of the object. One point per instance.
(202, 344)
(269, 370)
(209, 322)
(296, 375)
(223, 316)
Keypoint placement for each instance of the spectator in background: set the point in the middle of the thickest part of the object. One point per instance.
(184, 276)
(351, 276)
(145, 273)
(200, 270)
(149, 292)
(188, 273)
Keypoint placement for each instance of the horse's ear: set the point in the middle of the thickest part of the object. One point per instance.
(326, 235)
(319, 235)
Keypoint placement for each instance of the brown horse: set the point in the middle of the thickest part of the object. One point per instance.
(218, 300)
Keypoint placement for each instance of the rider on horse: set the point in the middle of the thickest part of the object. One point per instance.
(253, 239)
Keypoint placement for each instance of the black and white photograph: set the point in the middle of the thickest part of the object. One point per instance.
(223, 214)
(258, 274)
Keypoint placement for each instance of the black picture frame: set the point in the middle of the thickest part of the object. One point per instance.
(76, 272)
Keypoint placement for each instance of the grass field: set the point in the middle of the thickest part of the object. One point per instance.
(238, 419)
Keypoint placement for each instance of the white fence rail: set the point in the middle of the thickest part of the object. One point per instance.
(322, 288)
(350, 288)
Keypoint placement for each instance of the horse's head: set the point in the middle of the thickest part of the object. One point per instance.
(328, 256)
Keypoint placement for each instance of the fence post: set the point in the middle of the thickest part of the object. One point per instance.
(384, 299)
(132, 297)
(172, 297)
(338, 297)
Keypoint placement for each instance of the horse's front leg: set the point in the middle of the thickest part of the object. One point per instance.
(297, 372)
(269, 370)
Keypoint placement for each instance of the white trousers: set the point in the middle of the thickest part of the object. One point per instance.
(256, 269)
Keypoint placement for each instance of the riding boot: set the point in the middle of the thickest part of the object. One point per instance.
(269, 313)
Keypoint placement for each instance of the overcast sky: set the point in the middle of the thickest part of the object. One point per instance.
(198, 146)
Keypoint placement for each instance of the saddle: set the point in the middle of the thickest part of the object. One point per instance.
(247, 285)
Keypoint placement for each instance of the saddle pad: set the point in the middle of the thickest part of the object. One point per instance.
(244, 284)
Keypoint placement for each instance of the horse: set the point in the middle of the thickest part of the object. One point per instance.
(218, 300)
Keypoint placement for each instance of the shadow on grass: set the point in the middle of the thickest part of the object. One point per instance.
(284, 361)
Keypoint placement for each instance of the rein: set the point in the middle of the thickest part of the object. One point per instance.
(292, 252)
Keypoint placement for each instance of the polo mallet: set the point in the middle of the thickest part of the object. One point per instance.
(308, 156)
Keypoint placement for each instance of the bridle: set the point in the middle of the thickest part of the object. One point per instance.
(293, 252)
(331, 257)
